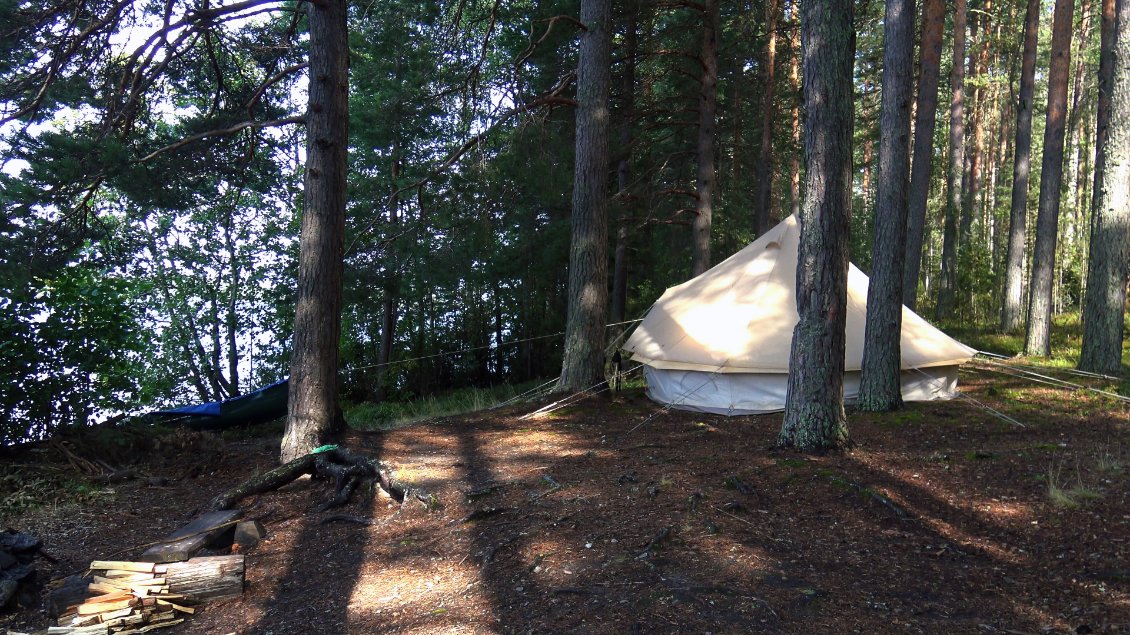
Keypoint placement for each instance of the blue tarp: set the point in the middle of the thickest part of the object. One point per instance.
(262, 405)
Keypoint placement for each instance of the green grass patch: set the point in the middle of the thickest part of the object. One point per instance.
(1068, 493)
(388, 415)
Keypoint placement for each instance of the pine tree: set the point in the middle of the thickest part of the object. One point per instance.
(814, 409)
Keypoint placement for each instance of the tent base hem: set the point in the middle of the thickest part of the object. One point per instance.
(761, 393)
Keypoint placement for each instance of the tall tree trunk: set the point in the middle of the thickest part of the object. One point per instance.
(880, 386)
(583, 365)
(978, 65)
(1075, 130)
(391, 289)
(232, 317)
(925, 116)
(948, 279)
(312, 401)
(1011, 308)
(764, 185)
(707, 106)
(794, 163)
(814, 412)
(865, 179)
(1104, 312)
(1037, 340)
(624, 168)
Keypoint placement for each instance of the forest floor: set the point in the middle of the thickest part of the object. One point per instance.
(612, 516)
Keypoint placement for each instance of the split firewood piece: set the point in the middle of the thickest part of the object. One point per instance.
(109, 597)
(131, 619)
(89, 608)
(97, 629)
(125, 566)
(150, 627)
(124, 576)
(176, 607)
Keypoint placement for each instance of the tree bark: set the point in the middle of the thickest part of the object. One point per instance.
(1076, 191)
(880, 387)
(794, 164)
(707, 107)
(1018, 215)
(624, 168)
(583, 365)
(207, 577)
(391, 289)
(1104, 311)
(814, 413)
(948, 279)
(312, 402)
(978, 65)
(1038, 340)
(764, 185)
(925, 116)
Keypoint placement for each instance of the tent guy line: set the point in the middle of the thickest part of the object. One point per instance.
(480, 348)
(980, 404)
(1020, 373)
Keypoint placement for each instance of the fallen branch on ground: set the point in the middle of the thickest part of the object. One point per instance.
(347, 469)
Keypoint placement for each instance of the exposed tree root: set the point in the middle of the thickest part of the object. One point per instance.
(347, 469)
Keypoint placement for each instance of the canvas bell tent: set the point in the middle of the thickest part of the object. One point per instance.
(720, 342)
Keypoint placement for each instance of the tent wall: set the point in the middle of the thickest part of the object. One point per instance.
(758, 393)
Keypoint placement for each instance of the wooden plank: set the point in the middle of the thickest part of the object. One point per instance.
(183, 543)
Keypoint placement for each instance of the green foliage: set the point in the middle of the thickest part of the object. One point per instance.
(71, 345)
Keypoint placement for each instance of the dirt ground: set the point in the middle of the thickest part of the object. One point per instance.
(614, 516)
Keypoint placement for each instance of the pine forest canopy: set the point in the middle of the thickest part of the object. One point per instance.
(159, 158)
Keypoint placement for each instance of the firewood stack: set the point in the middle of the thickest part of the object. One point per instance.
(137, 597)
(17, 573)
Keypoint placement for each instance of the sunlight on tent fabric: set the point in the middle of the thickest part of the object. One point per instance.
(721, 342)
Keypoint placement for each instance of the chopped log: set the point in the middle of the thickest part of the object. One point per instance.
(185, 542)
(72, 592)
(207, 578)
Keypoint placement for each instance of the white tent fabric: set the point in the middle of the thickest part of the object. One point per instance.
(720, 342)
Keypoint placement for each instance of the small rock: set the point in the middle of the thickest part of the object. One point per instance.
(18, 543)
(8, 590)
(248, 533)
(17, 573)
